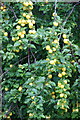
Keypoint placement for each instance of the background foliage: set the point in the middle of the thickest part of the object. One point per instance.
(41, 61)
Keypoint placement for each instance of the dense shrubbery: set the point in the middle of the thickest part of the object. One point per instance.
(42, 62)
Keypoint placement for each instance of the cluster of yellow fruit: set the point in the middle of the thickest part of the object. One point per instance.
(3, 8)
(62, 103)
(53, 95)
(28, 4)
(53, 49)
(63, 72)
(28, 17)
(66, 41)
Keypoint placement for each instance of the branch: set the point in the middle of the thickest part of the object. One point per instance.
(11, 8)
(13, 66)
(70, 13)
(33, 55)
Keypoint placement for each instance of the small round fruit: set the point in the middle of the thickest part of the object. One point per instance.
(26, 4)
(6, 89)
(11, 66)
(30, 25)
(47, 47)
(20, 88)
(18, 27)
(33, 97)
(50, 76)
(30, 84)
(62, 86)
(64, 36)
(66, 41)
(30, 114)
(22, 24)
(50, 51)
(28, 16)
(19, 33)
(5, 34)
(13, 39)
(23, 32)
(65, 81)
(61, 95)
(20, 47)
(64, 69)
(63, 73)
(22, 36)
(24, 14)
(52, 62)
(55, 24)
(59, 75)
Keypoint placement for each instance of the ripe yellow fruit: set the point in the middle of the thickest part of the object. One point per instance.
(59, 84)
(63, 73)
(20, 88)
(47, 47)
(52, 62)
(65, 81)
(6, 89)
(55, 23)
(22, 36)
(22, 24)
(30, 3)
(8, 117)
(54, 49)
(31, 7)
(59, 75)
(28, 21)
(13, 39)
(31, 84)
(63, 69)
(19, 33)
(30, 25)
(56, 41)
(53, 96)
(32, 31)
(11, 66)
(20, 21)
(26, 4)
(62, 86)
(47, 58)
(28, 16)
(5, 34)
(23, 32)
(10, 114)
(24, 14)
(33, 97)
(62, 95)
(20, 41)
(33, 21)
(16, 50)
(20, 47)
(1, 7)
(30, 114)
(64, 36)
(66, 41)
(18, 27)
(50, 76)
(50, 51)
(53, 93)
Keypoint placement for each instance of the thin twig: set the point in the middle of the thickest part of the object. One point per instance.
(13, 66)
(70, 13)
(33, 55)
(11, 8)
(28, 56)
